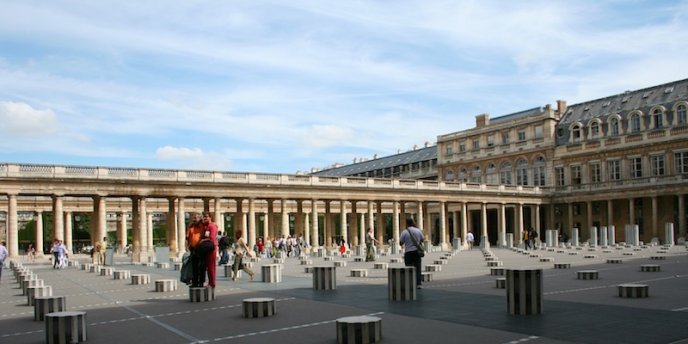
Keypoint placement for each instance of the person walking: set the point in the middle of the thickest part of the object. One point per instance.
(370, 248)
(412, 240)
(193, 239)
(209, 238)
(240, 250)
(223, 245)
(3, 255)
(470, 239)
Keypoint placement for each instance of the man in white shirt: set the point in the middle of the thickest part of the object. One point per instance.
(412, 251)
(470, 239)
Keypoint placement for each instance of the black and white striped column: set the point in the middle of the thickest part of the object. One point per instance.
(65, 327)
(258, 307)
(524, 291)
(201, 294)
(401, 283)
(359, 329)
(324, 278)
(43, 305)
(271, 273)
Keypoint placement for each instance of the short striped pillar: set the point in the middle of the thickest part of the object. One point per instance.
(324, 278)
(95, 268)
(138, 279)
(358, 259)
(177, 266)
(340, 263)
(426, 276)
(495, 263)
(649, 268)
(121, 274)
(306, 262)
(43, 305)
(633, 290)
(278, 260)
(497, 271)
(65, 327)
(258, 307)
(588, 274)
(359, 330)
(33, 292)
(162, 265)
(228, 270)
(165, 285)
(524, 291)
(271, 273)
(614, 261)
(380, 266)
(30, 283)
(74, 263)
(399, 260)
(201, 294)
(401, 283)
(500, 283)
(359, 272)
(562, 265)
(106, 271)
(86, 267)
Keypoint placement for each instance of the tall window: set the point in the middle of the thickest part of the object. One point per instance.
(539, 132)
(681, 115)
(462, 147)
(491, 174)
(559, 175)
(636, 164)
(490, 140)
(594, 130)
(463, 175)
(635, 123)
(505, 173)
(475, 175)
(681, 162)
(576, 178)
(657, 118)
(449, 176)
(614, 169)
(450, 150)
(614, 127)
(576, 133)
(476, 144)
(657, 162)
(505, 137)
(539, 171)
(522, 172)
(521, 135)
(595, 172)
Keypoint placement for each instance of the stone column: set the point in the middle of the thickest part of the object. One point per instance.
(570, 219)
(550, 216)
(285, 218)
(219, 216)
(12, 227)
(149, 232)
(342, 221)
(240, 219)
(427, 225)
(464, 223)
(655, 222)
(39, 233)
(631, 211)
(101, 218)
(353, 233)
(537, 219)
(420, 217)
(380, 231)
(171, 233)
(443, 225)
(485, 241)
(519, 223)
(307, 227)
(610, 213)
(122, 232)
(395, 227)
(371, 217)
(181, 226)
(68, 231)
(268, 220)
(588, 215)
(362, 231)
(314, 223)
(502, 225)
(681, 217)
(328, 225)
(143, 225)
(298, 221)
(252, 222)
(58, 224)
(456, 243)
(206, 204)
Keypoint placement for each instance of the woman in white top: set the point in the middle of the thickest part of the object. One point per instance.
(370, 249)
(240, 249)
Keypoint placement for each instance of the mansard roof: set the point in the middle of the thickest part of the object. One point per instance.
(418, 155)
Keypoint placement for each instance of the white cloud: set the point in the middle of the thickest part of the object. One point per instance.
(22, 120)
(179, 153)
(194, 158)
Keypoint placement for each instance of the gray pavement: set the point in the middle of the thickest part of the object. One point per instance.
(460, 304)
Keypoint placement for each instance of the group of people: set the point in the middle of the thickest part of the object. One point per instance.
(60, 254)
(530, 238)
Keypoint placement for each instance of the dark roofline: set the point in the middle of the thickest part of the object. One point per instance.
(517, 114)
(629, 92)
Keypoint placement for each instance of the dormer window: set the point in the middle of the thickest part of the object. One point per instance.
(657, 118)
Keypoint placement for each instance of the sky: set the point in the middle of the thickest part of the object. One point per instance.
(287, 86)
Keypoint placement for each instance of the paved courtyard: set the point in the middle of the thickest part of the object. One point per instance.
(460, 304)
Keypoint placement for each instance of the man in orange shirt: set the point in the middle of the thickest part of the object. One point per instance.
(193, 239)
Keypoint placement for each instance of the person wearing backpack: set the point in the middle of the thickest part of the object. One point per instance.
(412, 240)
(223, 245)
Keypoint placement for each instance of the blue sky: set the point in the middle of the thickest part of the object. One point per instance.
(284, 86)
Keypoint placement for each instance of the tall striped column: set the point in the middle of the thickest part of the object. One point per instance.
(401, 283)
(324, 278)
(524, 291)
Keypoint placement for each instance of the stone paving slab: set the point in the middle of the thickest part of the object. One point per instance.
(461, 303)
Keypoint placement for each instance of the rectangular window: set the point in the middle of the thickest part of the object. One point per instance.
(614, 169)
(559, 175)
(595, 172)
(450, 151)
(521, 135)
(681, 162)
(505, 138)
(490, 140)
(576, 175)
(476, 144)
(539, 132)
(657, 164)
(539, 175)
(636, 165)
(462, 147)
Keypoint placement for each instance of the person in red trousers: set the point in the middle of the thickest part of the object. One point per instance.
(210, 232)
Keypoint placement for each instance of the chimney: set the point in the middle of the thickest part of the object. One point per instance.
(482, 120)
(415, 147)
(561, 107)
(427, 143)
